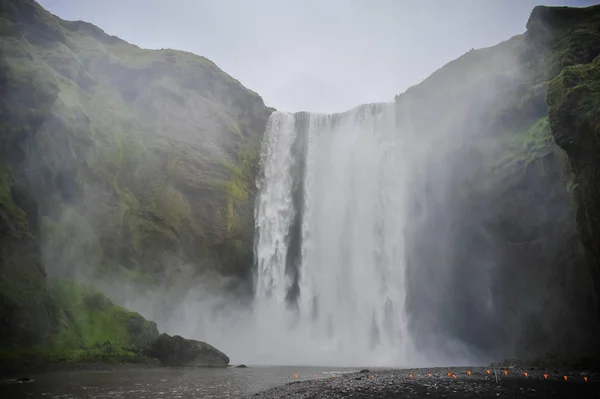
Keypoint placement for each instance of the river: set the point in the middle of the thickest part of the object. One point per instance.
(160, 382)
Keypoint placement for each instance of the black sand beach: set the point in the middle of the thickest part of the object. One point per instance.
(435, 383)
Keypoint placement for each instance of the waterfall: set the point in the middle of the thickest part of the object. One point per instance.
(330, 262)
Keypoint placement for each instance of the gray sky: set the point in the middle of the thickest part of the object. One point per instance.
(314, 55)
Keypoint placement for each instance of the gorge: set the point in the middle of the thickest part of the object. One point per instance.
(455, 225)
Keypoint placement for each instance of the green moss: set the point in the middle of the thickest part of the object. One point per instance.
(29, 315)
(571, 48)
(237, 189)
(137, 131)
(234, 128)
(172, 207)
(70, 242)
(573, 101)
(173, 165)
(11, 213)
(524, 147)
(89, 328)
(137, 276)
(94, 319)
(148, 232)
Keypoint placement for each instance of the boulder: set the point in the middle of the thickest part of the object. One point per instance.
(180, 352)
(143, 332)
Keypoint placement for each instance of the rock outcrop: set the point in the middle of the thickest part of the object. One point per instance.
(181, 352)
(116, 164)
(139, 159)
(574, 114)
(493, 211)
(75, 324)
(88, 327)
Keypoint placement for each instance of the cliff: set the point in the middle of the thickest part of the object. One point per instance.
(499, 209)
(116, 164)
(574, 114)
(119, 164)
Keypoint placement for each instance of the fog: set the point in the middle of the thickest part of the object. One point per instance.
(379, 241)
(315, 56)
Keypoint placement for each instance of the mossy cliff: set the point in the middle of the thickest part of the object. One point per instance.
(574, 111)
(82, 325)
(116, 164)
(138, 166)
(499, 204)
(135, 157)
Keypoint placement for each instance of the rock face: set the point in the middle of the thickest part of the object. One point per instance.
(143, 332)
(494, 239)
(178, 351)
(92, 321)
(138, 166)
(139, 159)
(574, 111)
(117, 164)
(81, 325)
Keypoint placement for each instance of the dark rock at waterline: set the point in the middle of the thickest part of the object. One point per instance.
(23, 379)
(143, 332)
(178, 351)
(364, 370)
(241, 366)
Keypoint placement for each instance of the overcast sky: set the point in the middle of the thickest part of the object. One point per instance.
(314, 55)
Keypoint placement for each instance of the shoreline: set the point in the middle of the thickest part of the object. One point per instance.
(459, 382)
(416, 383)
(17, 371)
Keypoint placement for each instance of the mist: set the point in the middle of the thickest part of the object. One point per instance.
(412, 230)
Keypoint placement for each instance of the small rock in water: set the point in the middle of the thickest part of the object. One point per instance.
(23, 379)
(241, 366)
(365, 371)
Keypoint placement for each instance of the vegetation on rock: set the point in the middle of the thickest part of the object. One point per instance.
(574, 110)
(116, 163)
(150, 154)
(139, 165)
(505, 194)
(86, 327)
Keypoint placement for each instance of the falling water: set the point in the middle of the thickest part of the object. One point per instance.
(329, 247)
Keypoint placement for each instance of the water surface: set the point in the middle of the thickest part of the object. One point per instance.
(160, 382)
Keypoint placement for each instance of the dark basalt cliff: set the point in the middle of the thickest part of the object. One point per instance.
(499, 210)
